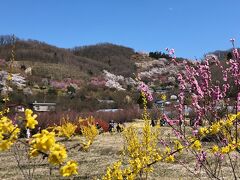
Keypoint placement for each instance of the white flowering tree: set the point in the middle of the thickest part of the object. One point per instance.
(112, 81)
(16, 79)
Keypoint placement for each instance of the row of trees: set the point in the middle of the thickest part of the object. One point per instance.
(159, 54)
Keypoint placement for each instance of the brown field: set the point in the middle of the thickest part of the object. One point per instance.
(92, 165)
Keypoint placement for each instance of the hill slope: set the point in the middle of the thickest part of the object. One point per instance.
(89, 59)
(78, 78)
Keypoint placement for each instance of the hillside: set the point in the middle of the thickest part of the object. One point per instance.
(84, 78)
(115, 57)
(89, 59)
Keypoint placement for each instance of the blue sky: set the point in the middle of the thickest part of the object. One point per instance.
(191, 27)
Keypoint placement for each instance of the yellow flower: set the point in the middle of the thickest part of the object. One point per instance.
(167, 150)
(232, 117)
(140, 150)
(215, 128)
(238, 146)
(164, 97)
(116, 171)
(238, 115)
(215, 149)
(86, 146)
(5, 145)
(43, 141)
(108, 175)
(158, 157)
(8, 133)
(69, 169)
(66, 130)
(9, 77)
(136, 164)
(170, 158)
(89, 132)
(232, 147)
(203, 131)
(33, 152)
(178, 146)
(197, 145)
(30, 120)
(225, 150)
(229, 123)
(57, 154)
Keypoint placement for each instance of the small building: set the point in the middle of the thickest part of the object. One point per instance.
(43, 107)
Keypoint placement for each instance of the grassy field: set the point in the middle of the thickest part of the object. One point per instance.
(92, 165)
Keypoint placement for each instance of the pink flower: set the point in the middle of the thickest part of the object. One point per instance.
(236, 53)
(145, 89)
(171, 52)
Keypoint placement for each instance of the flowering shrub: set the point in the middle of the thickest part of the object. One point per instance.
(140, 152)
(16, 80)
(209, 101)
(98, 81)
(206, 96)
(70, 168)
(66, 129)
(31, 121)
(112, 81)
(45, 143)
(8, 133)
(146, 91)
(89, 132)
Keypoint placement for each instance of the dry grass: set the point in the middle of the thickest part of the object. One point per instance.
(92, 165)
(56, 71)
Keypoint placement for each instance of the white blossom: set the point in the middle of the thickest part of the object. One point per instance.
(113, 80)
(16, 79)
